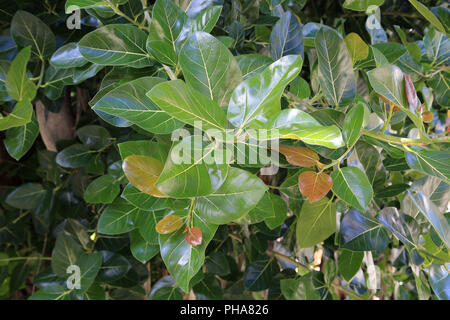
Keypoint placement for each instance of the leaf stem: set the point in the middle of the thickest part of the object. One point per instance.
(404, 141)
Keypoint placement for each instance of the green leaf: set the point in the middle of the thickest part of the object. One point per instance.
(114, 267)
(207, 19)
(94, 136)
(18, 86)
(65, 253)
(257, 99)
(142, 200)
(361, 5)
(75, 156)
(104, 189)
(85, 4)
(147, 225)
(361, 232)
(168, 28)
(432, 162)
(102, 47)
(353, 123)
(140, 248)
(427, 14)
(259, 275)
(217, 263)
(188, 105)
(336, 76)
(404, 227)
(240, 193)
(392, 190)
(299, 125)
(287, 36)
(370, 159)
(209, 288)
(19, 140)
(279, 209)
(68, 56)
(299, 289)
(440, 281)
(358, 49)
(209, 67)
(26, 196)
(118, 217)
(129, 102)
(28, 30)
(194, 173)
(316, 222)
(252, 64)
(349, 263)
(85, 72)
(54, 81)
(182, 260)
(89, 267)
(300, 88)
(433, 215)
(351, 185)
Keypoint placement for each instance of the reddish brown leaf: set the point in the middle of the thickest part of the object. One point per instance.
(410, 92)
(427, 116)
(314, 185)
(299, 156)
(169, 224)
(194, 236)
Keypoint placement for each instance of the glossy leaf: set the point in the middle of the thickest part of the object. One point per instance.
(257, 99)
(361, 232)
(101, 46)
(26, 196)
(240, 193)
(191, 174)
(252, 64)
(209, 67)
(336, 76)
(118, 217)
(351, 185)
(287, 36)
(65, 253)
(316, 222)
(432, 162)
(182, 260)
(194, 236)
(353, 124)
(187, 105)
(68, 56)
(140, 248)
(299, 289)
(75, 156)
(361, 5)
(19, 140)
(314, 185)
(258, 275)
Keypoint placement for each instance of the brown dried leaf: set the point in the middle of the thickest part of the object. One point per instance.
(169, 224)
(314, 185)
(299, 156)
(194, 236)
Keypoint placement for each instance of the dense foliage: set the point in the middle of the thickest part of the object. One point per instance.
(98, 104)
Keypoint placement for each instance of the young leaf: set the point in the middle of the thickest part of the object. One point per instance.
(182, 260)
(351, 185)
(358, 49)
(299, 156)
(314, 185)
(316, 222)
(169, 224)
(142, 172)
(209, 67)
(194, 236)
